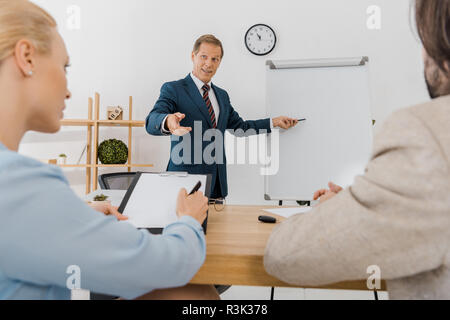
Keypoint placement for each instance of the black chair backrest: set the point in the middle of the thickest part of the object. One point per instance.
(116, 181)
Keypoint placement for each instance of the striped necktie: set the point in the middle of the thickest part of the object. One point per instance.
(212, 115)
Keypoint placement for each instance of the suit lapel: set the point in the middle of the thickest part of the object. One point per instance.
(221, 101)
(193, 92)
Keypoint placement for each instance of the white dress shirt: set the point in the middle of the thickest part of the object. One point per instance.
(212, 96)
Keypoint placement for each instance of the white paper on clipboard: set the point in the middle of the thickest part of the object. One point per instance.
(153, 201)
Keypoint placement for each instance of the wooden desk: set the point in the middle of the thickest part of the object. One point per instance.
(235, 250)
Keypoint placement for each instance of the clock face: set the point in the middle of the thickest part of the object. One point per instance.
(260, 39)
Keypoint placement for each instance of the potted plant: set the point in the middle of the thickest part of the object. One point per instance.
(113, 151)
(100, 199)
(62, 159)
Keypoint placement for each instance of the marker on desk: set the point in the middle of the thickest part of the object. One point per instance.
(196, 188)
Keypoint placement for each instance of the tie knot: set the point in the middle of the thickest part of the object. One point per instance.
(206, 87)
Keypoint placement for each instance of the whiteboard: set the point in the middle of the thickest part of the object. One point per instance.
(335, 142)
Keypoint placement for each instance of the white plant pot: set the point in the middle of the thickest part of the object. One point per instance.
(100, 203)
(62, 160)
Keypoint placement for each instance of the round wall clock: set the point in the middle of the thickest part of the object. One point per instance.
(260, 39)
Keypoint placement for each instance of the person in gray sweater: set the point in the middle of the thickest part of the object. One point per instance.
(397, 215)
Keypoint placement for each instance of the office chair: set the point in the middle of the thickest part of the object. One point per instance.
(116, 181)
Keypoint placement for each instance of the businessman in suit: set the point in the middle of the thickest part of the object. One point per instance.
(195, 102)
(395, 217)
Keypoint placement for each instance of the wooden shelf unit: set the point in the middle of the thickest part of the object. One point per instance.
(93, 124)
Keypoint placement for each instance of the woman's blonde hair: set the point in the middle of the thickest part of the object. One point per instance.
(22, 19)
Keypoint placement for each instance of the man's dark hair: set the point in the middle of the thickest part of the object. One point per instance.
(433, 25)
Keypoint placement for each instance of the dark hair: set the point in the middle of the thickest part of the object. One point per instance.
(433, 25)
(208, 38)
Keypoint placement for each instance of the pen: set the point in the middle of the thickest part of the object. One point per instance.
(301, 119)
(196, 188)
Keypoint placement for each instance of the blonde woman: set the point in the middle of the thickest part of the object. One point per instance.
(44, 227)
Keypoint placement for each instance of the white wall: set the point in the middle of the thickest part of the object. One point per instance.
(131, 47)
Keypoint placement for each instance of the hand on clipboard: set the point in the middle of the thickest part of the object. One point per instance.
(154, 200)
(194, 204)
(107, 209)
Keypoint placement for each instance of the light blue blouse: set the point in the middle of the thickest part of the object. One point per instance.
(45, 228)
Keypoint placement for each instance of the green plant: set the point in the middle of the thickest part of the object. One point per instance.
(113, 151)
(100, 197)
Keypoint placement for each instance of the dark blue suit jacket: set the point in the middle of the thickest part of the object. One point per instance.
(183, 96)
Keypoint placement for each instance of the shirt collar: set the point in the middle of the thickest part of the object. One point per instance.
(199, 83)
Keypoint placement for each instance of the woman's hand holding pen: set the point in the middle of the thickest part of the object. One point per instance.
(194, 205)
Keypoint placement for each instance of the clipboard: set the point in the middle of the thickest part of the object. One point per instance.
(150, 201)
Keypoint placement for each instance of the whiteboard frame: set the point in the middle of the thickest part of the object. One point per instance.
(309, 63)
(317, 63)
